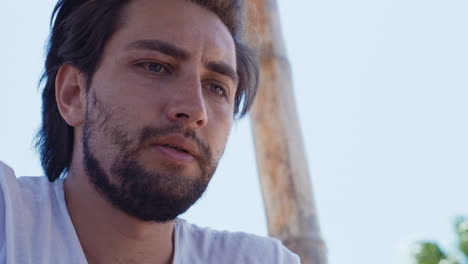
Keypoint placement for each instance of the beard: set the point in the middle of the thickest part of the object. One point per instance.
(148, 195)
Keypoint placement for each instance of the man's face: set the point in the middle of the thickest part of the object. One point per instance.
(160, 108)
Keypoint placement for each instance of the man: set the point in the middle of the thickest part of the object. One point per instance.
(138, 103)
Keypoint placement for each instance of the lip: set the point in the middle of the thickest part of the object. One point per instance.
(188, 147)
(174, 155)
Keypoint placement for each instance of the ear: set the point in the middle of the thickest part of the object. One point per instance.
(70, 94)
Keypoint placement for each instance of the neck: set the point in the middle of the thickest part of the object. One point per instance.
(107, 235)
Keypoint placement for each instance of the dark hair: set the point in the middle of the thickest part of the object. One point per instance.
(80, 31)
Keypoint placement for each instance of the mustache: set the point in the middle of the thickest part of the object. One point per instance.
(149, 134)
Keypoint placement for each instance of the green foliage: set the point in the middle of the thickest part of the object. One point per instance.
(429, 252)
(461, 225)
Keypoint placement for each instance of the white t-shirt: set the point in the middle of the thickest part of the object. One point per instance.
(35, 228)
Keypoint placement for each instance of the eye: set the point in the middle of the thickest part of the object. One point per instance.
(217, 89)
(154, 67)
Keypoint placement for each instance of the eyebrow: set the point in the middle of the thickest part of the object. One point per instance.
(224, 69)
(161, 46)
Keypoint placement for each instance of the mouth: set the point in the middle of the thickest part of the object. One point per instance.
(175, 148)
(174, 154)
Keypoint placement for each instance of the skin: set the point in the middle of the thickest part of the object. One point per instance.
(147, 87)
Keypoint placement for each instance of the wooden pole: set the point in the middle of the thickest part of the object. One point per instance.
(282, 164)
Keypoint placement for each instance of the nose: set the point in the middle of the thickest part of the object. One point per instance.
(187, 106)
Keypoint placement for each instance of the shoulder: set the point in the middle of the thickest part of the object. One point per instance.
(7, 175)
(25, 187)
(233, 247)
(31, 194)
(35, 217)
(7, 180)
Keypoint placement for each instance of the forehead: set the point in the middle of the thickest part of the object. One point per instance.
(180, 22)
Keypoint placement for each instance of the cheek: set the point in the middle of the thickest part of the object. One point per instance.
(219, 129)
(123, 87)
(137, 106)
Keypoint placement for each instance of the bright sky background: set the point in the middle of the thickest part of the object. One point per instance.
(381, 90)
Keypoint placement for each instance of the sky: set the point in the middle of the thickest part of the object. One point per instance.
(381, 92)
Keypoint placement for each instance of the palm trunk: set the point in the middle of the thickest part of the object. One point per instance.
(282, 164)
